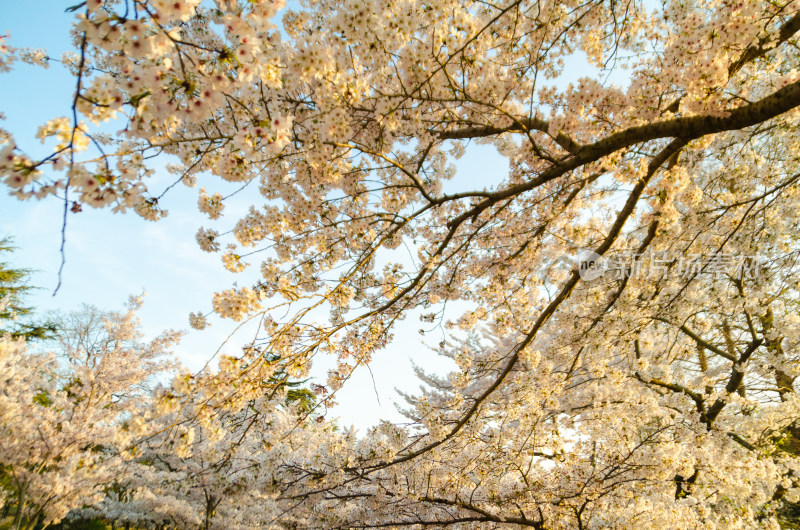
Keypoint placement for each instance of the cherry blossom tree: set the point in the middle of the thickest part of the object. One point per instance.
(635, 267)
(60, 415)
(185, 468)
(227, 471)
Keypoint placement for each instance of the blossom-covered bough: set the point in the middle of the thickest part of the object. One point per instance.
(659, 390)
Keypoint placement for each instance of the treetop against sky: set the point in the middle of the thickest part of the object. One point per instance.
(322, 142)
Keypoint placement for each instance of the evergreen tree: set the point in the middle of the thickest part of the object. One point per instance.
(15, 316)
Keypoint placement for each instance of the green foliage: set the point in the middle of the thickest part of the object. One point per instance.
(80, 524)
(14, 287)
(789, 516)
(43, 398)
(303, 396)
(295, 392)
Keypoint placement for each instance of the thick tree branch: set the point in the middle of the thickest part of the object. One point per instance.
(737, 375)
(688, 128)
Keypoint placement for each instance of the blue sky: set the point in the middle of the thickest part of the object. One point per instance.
(112, 256)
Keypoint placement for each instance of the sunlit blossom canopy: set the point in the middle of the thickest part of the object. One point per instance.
(604, 400)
